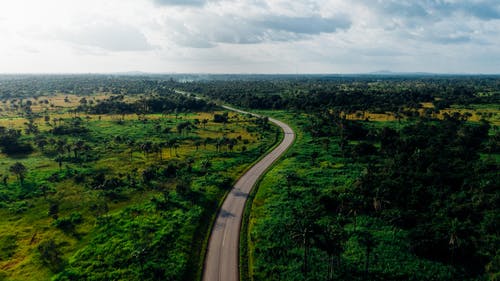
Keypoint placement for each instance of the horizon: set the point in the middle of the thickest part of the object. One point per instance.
(141, 73)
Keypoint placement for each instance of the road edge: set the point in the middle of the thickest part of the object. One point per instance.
(243, 220)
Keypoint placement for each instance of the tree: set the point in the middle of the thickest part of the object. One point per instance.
(44, 189)
(204, 122)
(77, 147)
(172, 144)
(303, 228)
(366, 240)
(158, 149)
(207, 141)
(197, 144)
(183, 185)
(19, 170)
(331, 239)
(221, 118)
(50, 255)
(31, 127)
(147, 147)
(41, 142)
(59, 160)
(183, 127)
(131, 144)
(205, 165)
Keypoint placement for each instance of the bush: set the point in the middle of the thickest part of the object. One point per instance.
(221, 118)
(68, 224)
(50, 255)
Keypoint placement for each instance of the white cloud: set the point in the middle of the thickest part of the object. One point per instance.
(249, 35)
(110, 36)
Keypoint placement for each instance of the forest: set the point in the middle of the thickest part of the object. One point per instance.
(111, 177)
(391, 178)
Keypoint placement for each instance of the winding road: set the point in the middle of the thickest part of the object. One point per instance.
(221, 261)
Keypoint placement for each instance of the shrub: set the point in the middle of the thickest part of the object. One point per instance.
(68, 224)
(50, 255)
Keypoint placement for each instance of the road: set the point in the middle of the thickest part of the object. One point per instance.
(221, 261)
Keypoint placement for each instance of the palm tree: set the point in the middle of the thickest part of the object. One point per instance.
(302, 229)
(205, 165)
(130, 144)
(19, 170)
(77, 147)
(60, 144)
(231, 143)
(176, 146)
(59, 160)
(146, 147)
(331, 239)
(157, 148)
(172, 143)
(44, 189)
(197, 144)
(206, 141)
(366, 240)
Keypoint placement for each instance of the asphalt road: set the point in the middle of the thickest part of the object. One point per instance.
(221, 261)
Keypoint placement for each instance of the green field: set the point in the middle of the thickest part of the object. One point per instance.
(113, 196)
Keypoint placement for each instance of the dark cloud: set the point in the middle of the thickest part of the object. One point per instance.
(435, 21)
(485, 10)
(482, 9)
(402, 9)
(450, 39)
(436, 10)
(305, 25)
(208, 30)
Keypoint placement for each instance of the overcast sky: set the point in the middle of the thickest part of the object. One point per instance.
(249, 36)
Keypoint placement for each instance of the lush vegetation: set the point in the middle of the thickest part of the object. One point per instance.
(118, 177)
(414, 197)
(359, 93)
(107, 186)
(396, 202)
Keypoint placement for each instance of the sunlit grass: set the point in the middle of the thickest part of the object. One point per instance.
(27, 220)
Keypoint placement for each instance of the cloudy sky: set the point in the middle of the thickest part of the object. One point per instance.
(249, 36)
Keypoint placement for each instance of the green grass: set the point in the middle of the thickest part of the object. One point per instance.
(26, 224)
(296, 161)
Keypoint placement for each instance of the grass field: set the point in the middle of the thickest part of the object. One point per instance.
(476, 113)
(113, 145)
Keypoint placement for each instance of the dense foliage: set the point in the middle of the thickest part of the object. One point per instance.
(418, 202)
(29, 86)
(376, 93)
(412, 199)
